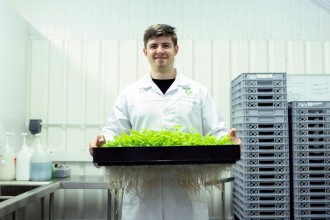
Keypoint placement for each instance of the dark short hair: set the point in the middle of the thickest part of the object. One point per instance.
(158, 30)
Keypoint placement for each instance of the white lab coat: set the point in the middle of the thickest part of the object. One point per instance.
(142, 105)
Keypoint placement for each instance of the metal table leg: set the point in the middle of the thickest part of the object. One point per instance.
(51, 206)
(109, 209)
(223, 206)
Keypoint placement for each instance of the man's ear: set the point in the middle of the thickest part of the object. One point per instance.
(145, 51)
(176, 49)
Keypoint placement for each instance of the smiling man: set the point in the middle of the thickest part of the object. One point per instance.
(160, 47)
(163, 99)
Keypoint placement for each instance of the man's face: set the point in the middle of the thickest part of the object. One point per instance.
(160, 52)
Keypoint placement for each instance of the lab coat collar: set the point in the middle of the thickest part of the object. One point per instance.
(180, 81)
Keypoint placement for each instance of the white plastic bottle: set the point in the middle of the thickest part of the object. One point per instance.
(41, 163)
(23, 161)
(7, 161)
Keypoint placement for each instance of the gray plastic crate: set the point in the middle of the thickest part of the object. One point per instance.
(262, 126)
(309, 177)
(261, 177)
(240, 216)
(259, 76)
(261, 198)
(265, 205)
(311, 197)
(266, 162)
(239, 90)
(264, 155)
(265, 133)
(312, 183)
(267, 192)
(312, 205)
(263, 169)
(309, 125)
(259, 112)
(265, 139)
(310, 147)
(260, 119)
(258, 98)
(311, 190)
(262, 214)
(311, 118)
(266, 147)
(310, 162)
(318, 166)
(308, 111)
(311, 140)
(311, 214)
(311, 154)
(262, 184)
(309, 104)
(312, 133)
(261, 104)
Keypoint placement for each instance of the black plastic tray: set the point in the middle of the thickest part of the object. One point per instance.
(114, 156)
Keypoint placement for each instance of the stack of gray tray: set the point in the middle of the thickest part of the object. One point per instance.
(262, 176)
(310, 129)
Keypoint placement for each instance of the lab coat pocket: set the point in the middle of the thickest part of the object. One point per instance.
(189, 112)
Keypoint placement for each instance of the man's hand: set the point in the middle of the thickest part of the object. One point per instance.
(97, 142)
(233, 137)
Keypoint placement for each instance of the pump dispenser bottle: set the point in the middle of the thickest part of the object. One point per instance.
(41, 163)
(23, 161)
(7, 161)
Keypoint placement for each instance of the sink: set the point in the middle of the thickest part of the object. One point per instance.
(34, 195)
(13, 189)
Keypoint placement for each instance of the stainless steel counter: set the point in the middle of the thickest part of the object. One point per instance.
(13, 204)
(48, 188)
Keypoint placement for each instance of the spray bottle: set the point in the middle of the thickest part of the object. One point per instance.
(7, 161)
(41, 163)
(23, 161)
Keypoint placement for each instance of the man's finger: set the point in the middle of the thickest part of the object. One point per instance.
(100, 140)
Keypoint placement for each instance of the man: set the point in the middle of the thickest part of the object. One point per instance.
(163, 99)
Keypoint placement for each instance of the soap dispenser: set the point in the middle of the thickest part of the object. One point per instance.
(7, 161)
(23, 161)
(41, 163)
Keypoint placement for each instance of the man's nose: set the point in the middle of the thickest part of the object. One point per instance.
(160, 49)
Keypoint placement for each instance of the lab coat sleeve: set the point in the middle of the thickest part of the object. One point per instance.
(213, 122)
(118, 121)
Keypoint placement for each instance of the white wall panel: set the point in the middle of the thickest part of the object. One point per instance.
(203, 63)
(314, 57)
(221, 56)
(258, 53)
(239, 57)
(128, 60)
(276, 56)
(326, 57)
(185, 58)
(295, 57)
(39, 79)
(195, 19)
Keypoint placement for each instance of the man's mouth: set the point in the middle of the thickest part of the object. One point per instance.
(160, 58)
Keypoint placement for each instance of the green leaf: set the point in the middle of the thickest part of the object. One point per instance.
(166, 137)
